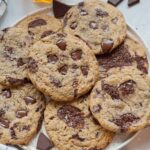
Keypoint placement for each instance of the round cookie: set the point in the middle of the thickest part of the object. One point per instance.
(71, 126)
(21, 114)
(121, 102)
(14, 45)
(99, 24)
(40, 25)
(62, 67)
(129, 53)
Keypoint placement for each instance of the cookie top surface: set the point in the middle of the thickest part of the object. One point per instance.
(129, 53)
(40, 25)
(14, 45)
(121, 102)
(62, 67)
(71, 126)
(99, 24)
(21, 113)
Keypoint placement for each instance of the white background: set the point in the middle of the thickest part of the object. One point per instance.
(137, 16)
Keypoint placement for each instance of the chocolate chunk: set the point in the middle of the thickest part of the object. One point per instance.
(105, 27)
(101, 13)
(111, 90)
(107, 45)
(44, 143)
(77, 137)
(12, 133)
(114, 20)
(114, 2)
(9, 49)
(56, 83)
(96, 108)
(63, 70)
(83, 12)
(81, 4)
(37, 22)
(22, 61)
(6, 29)
(29, 100)
(133, 2)
(32, 65)
(72, 116)
(31, 33)
(127, 87)
(117, 58)
(21, 113)
(61, 35)
(61, 44)
(6, 93)
(60, 9)
(16, 82)
(4, 123)
(2, 112)
(93, 25)
(85, 70)
(77, 54)
(142, 64)
(73, 25)
(52, 58)
(125, 120)
(46, 33)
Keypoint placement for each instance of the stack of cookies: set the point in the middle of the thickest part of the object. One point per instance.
(81, 73)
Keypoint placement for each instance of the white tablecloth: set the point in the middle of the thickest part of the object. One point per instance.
(137, 16)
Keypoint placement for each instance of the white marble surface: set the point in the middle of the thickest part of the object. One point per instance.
(137, 16)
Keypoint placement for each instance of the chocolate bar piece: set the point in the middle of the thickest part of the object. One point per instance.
(114, 2)
(133, 2)
(60, 9)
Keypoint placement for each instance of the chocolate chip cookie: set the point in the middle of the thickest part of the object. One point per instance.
(40, 25)
(21, 114)
(62, 67)
(129, 53)
(121, 102)
(71, 126)
(99, 24)
(14, 45)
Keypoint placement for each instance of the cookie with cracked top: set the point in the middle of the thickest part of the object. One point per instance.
(121, 102)
(99, 24)
(40, 25)
(71, 126)
(62, 67)
(21, 114)
(129, 53)
(14, 45)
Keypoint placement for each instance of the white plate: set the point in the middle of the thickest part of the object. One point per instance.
(119, 141)
(3, 6)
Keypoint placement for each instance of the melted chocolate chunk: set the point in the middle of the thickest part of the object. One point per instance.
(101, 13)
(83, 12)
(96, 108)
(46, 33)
(117, 58)
(44, 143)
(141, 64)
(107, 45)
(4, 123)
(21, 113)
(29, 100)
(63, 70)
(127, 87)
(6, 93)
(77, 54)
(125, 120)
(111, 90)
(77, 137)
(52, 58)
(61, 44)
(73, 25)
(32, 65)
(85, 70)
(93, 25)
(37, 22)
(60, 9)
(114, 2)
(13, 133)
(72, 116)
(16, 82)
